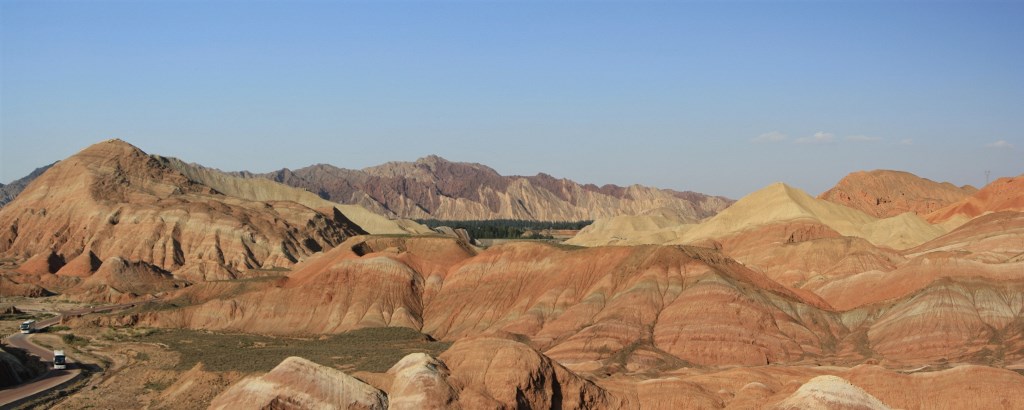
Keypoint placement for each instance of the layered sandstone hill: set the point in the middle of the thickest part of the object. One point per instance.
(633, 309)
(434, 188)
(298, 383)
(884, 193)
(773, 205)
(255, 189)
(10, 191)
(479, 373)
(497, 372)
(839, 253)
(113, 200)
(1003, 194)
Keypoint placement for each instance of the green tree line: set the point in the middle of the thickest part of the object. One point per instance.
(504, 228)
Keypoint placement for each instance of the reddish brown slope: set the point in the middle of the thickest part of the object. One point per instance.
(113, 200)
(883, 193)
(1003, 194)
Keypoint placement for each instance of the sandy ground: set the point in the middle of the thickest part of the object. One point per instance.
(125, 375)
(137, 375)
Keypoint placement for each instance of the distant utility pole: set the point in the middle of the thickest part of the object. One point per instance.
(987, 174)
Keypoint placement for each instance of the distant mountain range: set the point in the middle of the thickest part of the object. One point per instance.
(435, 188)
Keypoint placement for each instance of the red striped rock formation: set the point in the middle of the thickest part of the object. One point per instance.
(113, 200)
(494, 372)
(1003, 194)
(884, 193)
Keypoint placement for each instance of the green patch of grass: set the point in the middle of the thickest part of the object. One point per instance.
(56, 328)
(259, 278)
(127, 333)
(372, 349)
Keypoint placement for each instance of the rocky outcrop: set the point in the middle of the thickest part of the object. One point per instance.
(460, 233)
(113, 200)
(499, 373)
(118, 280)
(434, 188)
(1003, 194)
(830, 393)
(421, 382)
(9, 287)
(298, 383)
(960, 321)
(13, 372)
(641, 308)
(365, 282)
(884, 193)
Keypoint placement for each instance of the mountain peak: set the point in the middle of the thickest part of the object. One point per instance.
(886, 193)
(431, 159)
(112, 150)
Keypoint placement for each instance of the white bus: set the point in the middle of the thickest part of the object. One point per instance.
(28, 326)
(59, 361)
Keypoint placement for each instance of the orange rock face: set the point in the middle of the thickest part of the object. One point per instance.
(883, 193)
(769, 308)
(495, 373)
(113, 200)
(1003, 194)
(362, 283)
(644, 308)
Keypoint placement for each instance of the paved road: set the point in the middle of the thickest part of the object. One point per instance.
(51, 378)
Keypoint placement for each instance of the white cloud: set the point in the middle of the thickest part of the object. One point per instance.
(774, 136)
(863, 138)
(999, 144)
(906, 141)
(819, 137)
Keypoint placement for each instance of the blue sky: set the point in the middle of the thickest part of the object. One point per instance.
(722, 98)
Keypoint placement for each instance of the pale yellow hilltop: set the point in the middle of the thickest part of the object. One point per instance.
(776, 203)
(653, 227)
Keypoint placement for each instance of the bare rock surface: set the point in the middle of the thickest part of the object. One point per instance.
(499, 373)
(1003, 194)
(776, 204)
(113, 200)
(885, 193)
(298, 383)
(830, 393)
(420, 381)
(435, 188)
(264, 190)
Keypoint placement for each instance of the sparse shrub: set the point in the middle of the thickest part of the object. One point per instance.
(157, 385)
(72, 340)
